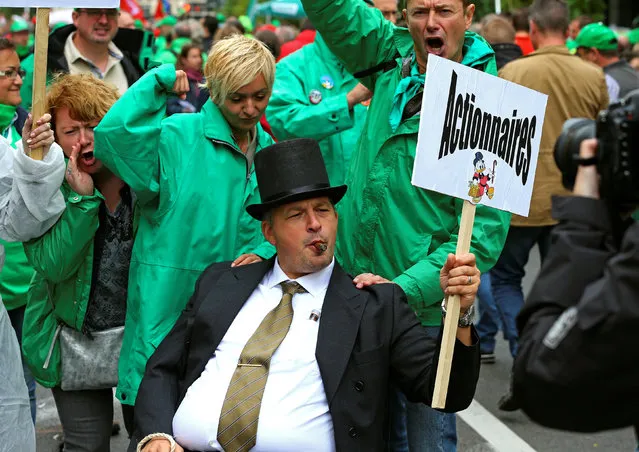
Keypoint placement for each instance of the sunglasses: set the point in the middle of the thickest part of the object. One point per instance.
(13, 73)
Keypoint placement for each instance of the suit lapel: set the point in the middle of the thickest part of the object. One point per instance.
(341, 315)
(224, 301)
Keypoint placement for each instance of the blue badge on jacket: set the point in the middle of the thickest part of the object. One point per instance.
(327, 81)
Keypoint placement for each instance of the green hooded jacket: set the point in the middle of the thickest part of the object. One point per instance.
(292, 114)
(60, 289)
(388, 226)
(192, 188)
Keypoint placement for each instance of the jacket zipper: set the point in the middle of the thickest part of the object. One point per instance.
(248, 170)
(55, 338)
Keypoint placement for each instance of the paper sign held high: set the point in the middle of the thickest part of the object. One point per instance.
(479, 137)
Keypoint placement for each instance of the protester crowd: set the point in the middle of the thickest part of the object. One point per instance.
(219, 151)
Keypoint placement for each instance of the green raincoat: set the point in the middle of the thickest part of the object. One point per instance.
(192, 188)
(388, 226)
(292, 114)
(60, 290)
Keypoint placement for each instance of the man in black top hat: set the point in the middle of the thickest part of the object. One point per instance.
(293, 354)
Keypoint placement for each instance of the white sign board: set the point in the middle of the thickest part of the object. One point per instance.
(479, 137)
(64, 3)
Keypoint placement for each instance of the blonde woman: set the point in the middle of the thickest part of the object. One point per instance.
(193, 177)
(82, 265)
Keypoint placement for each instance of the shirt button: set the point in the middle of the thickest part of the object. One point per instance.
(359, 386)
(211, 443)
(352, 432)
(76, 198)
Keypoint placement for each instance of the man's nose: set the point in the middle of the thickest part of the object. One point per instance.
(432, 24)
(313, 223)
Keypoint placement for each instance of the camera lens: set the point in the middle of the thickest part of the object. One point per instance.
(575, 130)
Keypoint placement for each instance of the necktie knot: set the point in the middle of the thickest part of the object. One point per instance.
(291, 288)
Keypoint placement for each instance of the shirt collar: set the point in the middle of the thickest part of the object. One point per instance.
(314, 283)
(75, 54)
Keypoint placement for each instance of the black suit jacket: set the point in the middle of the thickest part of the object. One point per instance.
(367, 339)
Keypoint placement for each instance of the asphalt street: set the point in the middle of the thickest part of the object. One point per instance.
(482, 428)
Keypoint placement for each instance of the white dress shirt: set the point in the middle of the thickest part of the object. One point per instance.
(294, 414)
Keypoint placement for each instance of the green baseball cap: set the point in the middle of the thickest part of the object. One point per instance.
(168, 20)
(597, 36)
(633, 36)
(19, 25)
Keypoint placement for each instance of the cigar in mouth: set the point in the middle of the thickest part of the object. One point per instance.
(321, 247)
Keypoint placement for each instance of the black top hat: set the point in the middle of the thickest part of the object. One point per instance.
(291, 171)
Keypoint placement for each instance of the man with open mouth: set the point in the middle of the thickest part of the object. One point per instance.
(387, 226)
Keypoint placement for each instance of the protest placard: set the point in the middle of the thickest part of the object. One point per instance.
(479, 140)
(42, 46)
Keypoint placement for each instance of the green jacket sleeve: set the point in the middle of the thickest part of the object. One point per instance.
(127, 140)
(291, 114)
(421, 281)
(58, 254)
(358, 35)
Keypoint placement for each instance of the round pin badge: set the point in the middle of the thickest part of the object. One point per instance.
(327, 82)
(315, 97)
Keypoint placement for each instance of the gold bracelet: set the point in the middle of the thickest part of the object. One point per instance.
(153, 436)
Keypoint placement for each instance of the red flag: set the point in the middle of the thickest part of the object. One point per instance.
(132, 7)
(159, 11)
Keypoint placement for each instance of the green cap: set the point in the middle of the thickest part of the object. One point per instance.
(572, 45)
(221, 18)
(597, 36)
(246, 23)
(178, 43)
(633, 36)
(18, 26)
(168, 20)
(138, 24)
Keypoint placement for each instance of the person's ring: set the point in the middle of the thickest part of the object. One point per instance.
(470, 280)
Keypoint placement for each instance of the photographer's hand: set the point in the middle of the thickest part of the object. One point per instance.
(587, 181)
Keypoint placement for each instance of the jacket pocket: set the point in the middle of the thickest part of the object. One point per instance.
(367, 356)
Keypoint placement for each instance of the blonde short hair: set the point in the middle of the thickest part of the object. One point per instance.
(235, 62)
(87, 97)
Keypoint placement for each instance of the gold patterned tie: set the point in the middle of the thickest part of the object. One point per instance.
(237, 429)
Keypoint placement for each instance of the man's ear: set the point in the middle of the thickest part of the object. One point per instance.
(468, 15)
(267, 231)
(74, 18)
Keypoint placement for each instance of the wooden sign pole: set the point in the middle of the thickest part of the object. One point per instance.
(452, 313)
(40, 70)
